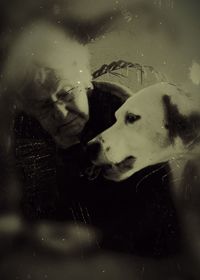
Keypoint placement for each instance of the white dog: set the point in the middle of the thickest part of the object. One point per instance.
(158, 124)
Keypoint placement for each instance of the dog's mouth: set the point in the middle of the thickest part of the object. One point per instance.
(121, 167)
(110, 169)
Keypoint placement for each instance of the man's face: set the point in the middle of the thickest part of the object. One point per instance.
(50, 75)
(60, 107)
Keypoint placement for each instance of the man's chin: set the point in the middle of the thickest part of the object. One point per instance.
(67, 136)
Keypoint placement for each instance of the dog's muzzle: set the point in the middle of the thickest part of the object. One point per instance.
(94, 151)
(123, 166)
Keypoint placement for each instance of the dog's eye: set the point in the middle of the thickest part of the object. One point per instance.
(131, 118)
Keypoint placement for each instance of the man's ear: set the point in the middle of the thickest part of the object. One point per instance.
(46, 78)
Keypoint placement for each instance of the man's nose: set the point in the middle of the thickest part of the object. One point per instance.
(81, 101)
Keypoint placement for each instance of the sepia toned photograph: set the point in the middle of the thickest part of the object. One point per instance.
(99, 140)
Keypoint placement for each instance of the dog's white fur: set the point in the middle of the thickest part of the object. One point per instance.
(146, 139)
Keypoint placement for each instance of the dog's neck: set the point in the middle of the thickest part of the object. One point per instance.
(182, 154)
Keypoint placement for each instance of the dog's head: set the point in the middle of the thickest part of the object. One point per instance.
(151, 127)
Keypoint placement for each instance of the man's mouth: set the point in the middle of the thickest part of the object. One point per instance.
(73, 126)
(71, 122)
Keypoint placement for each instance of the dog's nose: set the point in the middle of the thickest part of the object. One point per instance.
(93, 150)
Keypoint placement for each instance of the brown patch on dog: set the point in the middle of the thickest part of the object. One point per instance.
(179, 125)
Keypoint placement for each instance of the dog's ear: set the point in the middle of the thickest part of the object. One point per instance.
(187, 127)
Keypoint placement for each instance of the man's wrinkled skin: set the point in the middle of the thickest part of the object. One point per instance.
(48, 74)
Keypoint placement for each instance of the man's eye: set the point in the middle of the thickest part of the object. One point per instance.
(62, 94)
(65, 96)
(131, 118)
